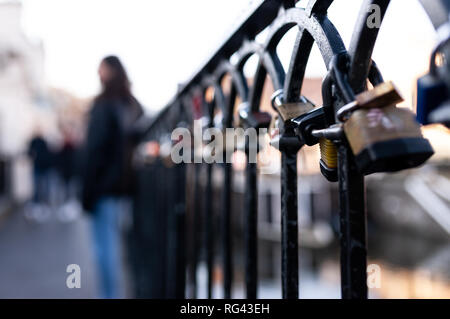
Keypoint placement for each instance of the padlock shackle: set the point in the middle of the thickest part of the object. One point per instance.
(444, 35)
(375, 76)
(328, 99)
(277, 99)
(337, 75)
(339, 67)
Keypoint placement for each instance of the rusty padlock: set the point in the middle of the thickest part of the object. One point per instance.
(383, 137)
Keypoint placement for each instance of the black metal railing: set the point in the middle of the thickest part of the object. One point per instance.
(190, 209)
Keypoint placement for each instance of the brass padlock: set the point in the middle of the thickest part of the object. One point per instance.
(289, 111)
(282, 133)
(383, 138)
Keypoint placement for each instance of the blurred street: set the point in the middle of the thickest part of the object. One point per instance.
(36, 255)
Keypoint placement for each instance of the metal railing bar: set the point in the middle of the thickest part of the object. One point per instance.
(362, 44)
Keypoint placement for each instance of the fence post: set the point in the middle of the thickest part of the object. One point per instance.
(180, 213)
(289, 212)
(196, 229)
(226, 230)
(352, 227)
(251, 220)
(208, 239)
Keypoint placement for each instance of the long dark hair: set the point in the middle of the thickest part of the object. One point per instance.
(118, 87)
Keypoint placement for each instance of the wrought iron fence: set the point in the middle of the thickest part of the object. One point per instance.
(175, 191)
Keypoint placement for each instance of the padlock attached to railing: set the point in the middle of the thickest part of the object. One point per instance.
(289, 111)
(253, 119)
(300, 119)
(432, 91)
(383, 138)
(249, 120)
(282, 130)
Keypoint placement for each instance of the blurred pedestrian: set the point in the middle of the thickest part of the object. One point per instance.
(69, 207)
(66, 163)
(106, 177)
(41, 158)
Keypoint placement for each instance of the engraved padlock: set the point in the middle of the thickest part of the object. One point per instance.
(383, 137)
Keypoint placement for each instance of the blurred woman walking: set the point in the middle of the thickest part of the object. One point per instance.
(107, 171)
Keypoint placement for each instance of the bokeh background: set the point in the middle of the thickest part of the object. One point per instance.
(49, 55)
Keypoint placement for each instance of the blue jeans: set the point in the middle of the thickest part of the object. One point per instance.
(41, 186)
(107, 245)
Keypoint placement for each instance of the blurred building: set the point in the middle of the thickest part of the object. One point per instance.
(27, 105)
(21, 80)
(21, 89)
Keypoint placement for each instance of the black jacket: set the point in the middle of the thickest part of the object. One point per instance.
(107, 150)
(40, 153)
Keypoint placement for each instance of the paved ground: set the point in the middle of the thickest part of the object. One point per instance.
(34, 257)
